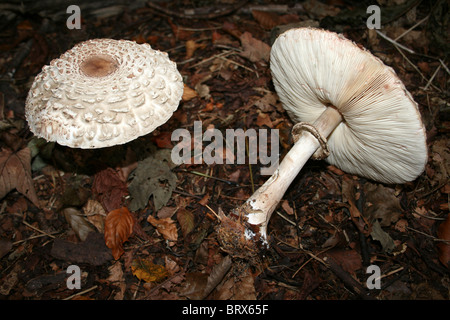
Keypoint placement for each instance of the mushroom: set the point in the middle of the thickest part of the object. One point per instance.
(103, 92)
(349, 108)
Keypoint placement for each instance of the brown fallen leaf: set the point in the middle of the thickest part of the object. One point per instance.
(109, 189)
(119, 225)
(253, 49)
(267, 20)
(78, 222)
(349, 260)
(444, 248)
(166, 227)
(189, 93)
(15, 173)
(381, 203)
(186, 219)
(191, 46)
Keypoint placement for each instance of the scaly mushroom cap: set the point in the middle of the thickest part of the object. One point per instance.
(103, 92)
(382, 136)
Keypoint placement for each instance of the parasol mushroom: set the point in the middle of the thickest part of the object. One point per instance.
(349, 108)
(103, 92)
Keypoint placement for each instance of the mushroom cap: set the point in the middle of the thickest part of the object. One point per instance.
(103, 92)
(382, 136)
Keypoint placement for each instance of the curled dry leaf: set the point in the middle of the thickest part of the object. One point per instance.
(119, 225)
(78, 222)
(94, 212)
(15, 173)
(166, 227)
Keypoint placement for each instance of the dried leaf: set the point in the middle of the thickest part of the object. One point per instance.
(15, 173)
(237, 288)
(94, 212)
(287, 208)
(166, 227)
(349, 195)
(217, 274)
(267, 20)
(109, 189)
(147, 271)
(119, 225)
(253, 49)
(349, 260)
(383, 237)
(186, 220)
(444, 248)
(78, 223)
(194, 285)
(381, 203)
(153, 177)
(189, 93)
(163, 140)
(264, 120)
(5, 246)
(191, 46)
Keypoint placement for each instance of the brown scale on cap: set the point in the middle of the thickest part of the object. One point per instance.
(98, 66)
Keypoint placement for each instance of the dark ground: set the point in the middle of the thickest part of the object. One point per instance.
(318, 250)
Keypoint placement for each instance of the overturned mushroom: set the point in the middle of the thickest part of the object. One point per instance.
(103, 92)
(349, 109)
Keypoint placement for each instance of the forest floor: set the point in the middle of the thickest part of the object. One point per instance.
(318, 249)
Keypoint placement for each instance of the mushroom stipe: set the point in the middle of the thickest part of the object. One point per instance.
(351, 109)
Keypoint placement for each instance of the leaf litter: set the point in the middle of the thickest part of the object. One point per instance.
(142, 228)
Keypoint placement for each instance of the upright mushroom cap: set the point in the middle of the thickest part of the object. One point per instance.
(381, 136)
(103, 92)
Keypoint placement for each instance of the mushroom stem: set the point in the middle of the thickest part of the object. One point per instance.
(257, 210)
(264, 201)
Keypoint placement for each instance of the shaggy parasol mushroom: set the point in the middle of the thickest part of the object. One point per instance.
(103, 92)
(349, 108)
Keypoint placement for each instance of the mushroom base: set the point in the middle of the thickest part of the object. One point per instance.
(239, 238)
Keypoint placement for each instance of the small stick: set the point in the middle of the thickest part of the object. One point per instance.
(81, 292)
(222, 54)
(395, 42)
(432, 78)
(414, 26)
(38, 230)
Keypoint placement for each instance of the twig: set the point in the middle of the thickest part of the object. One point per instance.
(81, 292)
(413, 27)
(395, 43)
(432, 78)
(414, 66)
(32, 237)
(429, 236)
(38, 230)
(348, 280)
(444, 66)
(289, 221)
(222, 54)
(399, 46)
(210, 177)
